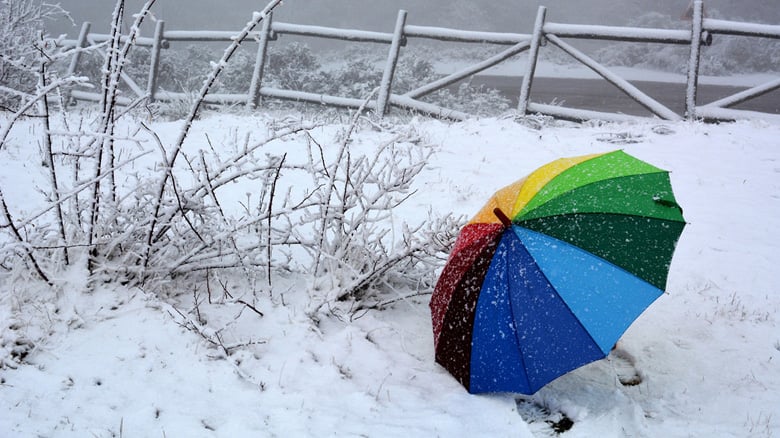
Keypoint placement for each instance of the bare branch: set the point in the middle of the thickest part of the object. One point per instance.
(270, 209)
(218, 67)
(20, 239)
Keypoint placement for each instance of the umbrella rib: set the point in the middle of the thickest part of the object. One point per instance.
(615, 213)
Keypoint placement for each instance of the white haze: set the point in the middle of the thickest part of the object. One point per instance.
(501, 15)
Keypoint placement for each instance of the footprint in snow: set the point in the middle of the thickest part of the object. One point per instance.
(624, 365)
(542, 420)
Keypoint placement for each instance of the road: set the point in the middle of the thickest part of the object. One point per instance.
(600, 95)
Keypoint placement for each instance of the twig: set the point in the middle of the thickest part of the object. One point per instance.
(42, 93)
(216, 180)
(224, 289)
(270, 209)
(112, 69)
(18, 236)
(208, 284)
(108, 103)
(70, 245)
(325, 202)
(322, 154)
(205, 244)
(197, 305)
(87, 184)
(251, 307)
(197, 327)
(173, 180)
(382, 304)
(49, 159)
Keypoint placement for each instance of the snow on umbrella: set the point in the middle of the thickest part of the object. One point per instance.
(553, 270)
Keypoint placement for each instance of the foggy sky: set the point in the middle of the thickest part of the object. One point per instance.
(497, 15)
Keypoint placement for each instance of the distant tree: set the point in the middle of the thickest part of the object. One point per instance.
(294, 67)
(727, 55)
(662, 57)
(22, 23)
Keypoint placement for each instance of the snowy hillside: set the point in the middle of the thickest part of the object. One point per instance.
(108, 360)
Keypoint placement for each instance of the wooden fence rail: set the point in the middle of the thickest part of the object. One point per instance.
(700, 34)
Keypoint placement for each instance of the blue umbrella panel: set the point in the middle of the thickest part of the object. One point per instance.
(532, 322)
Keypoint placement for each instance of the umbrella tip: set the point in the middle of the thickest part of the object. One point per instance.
(502, 217)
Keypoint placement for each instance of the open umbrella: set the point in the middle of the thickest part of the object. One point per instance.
(553, 270)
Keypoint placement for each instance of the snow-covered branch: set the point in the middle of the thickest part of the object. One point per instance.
(207, 84)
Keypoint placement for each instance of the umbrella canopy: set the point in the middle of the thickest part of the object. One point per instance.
(553, 270)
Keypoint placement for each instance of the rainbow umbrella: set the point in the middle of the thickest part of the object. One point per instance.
(553, 270)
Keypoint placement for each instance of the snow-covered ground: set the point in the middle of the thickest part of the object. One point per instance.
(117, 361)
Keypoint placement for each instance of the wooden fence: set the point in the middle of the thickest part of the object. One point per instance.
(700, 34)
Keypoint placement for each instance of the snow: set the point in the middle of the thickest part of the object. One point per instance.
(204, 35)
(329, 32)
(119, 361)
(672, 36)
(447, 34)
(715, 112)
(577, 114)
(747, 94)
(740, 28)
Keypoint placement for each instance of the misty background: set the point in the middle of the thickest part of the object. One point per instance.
(352, 70)
(495, 15)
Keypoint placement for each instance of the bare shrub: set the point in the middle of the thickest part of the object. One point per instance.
(166, 227)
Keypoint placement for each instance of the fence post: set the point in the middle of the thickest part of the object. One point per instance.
(694, 61)
(154, 62)
(385, 87)
(533, 56)
(74, 61)
(253, 99)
